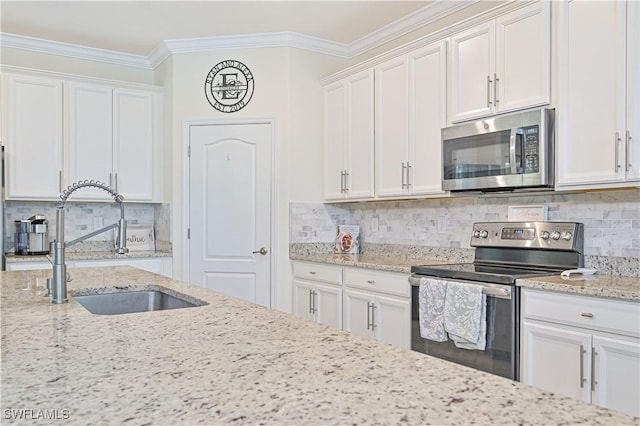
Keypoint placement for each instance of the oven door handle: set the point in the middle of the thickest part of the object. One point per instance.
(500, 291)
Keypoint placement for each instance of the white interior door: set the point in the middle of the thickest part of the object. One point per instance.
(230, 209)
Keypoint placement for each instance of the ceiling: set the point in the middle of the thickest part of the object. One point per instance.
(139, 27)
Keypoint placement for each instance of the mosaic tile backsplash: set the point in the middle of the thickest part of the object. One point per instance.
(83, 218)
(611, 220)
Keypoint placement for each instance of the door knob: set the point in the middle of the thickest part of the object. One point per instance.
(263, 251)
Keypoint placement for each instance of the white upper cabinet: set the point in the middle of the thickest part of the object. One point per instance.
(502, 65)
(348, 138)
(410, 112)
(597, 118)
(90, 153)
(111, 139)
(134, 133)
(33, 135)
(62, 131)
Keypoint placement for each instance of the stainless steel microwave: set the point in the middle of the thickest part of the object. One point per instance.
(504, 153)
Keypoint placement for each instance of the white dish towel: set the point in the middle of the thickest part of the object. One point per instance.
(465, 316)
(431, 296)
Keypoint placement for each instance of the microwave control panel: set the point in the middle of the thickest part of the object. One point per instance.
(531, 140)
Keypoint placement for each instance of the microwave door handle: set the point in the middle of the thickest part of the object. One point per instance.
(516, 147)
(512, 151)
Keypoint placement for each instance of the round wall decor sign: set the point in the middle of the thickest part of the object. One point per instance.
(229, 86)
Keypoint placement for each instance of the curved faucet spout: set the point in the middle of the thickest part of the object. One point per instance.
(58, 288)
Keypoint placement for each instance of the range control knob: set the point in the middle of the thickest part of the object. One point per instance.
(567, 235)
(555, 235)
(484, 234)
(544, 235)
(476, 234)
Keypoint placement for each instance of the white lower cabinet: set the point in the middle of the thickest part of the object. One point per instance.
(582, 347)
(377, 305)
(317, 293)
(157, 265)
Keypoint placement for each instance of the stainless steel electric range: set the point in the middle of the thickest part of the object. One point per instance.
(504, 252)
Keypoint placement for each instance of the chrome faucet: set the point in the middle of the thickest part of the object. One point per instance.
(58, 284)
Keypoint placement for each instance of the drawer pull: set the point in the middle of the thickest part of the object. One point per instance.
(371, 281)
(312, 272)
(587, 314)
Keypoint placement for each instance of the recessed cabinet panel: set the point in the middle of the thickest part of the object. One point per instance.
(133, 136)
(591, 114)
(33, 134)
(335, 140)
(90, 152)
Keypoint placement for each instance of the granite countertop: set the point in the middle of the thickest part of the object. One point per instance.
(235, 362)
(625, 288)
(90, 255)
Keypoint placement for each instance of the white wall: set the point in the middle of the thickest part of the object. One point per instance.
(287, 90)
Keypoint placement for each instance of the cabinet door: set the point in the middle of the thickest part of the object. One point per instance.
(392, 321)
(633, 91)
(617, 374)
(472, 69)
(391, 127)
(427, 116)
(33, 115)
(328, 305)
(360, 131)
(335, 139)
(523, 58)
(357, 313)
(302, 300)
(90, 148)
(592, 104)
(134, 124)
(556, 360)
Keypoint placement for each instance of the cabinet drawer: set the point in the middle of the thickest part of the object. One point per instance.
(615, 316)
(318, 272)
(386, 282)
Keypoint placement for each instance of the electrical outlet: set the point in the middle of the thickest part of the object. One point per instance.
(375, 225)
(98, 222)
(442, 224)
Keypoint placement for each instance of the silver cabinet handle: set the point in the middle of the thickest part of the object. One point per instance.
(111, 180)
(310, 301)
(346, 181)
(582, 379)
(368, 316)
(59, 180)
(342, 181)
(593, 368)
(627, 151)
(408, 175)
(313, 301)
(371, 281)
(488, 91)
(495, 89)
(586, 315)
(312, 272)
(263, 251)
(373, 316)
(116, 180)
(404, 185)
(617, 153)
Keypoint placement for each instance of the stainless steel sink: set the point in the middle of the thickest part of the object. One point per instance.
(127, 300)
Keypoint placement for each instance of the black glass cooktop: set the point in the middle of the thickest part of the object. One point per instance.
(481, 272)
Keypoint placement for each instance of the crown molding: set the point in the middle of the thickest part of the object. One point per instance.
(277, 39)
(403, 26)
(33, 44)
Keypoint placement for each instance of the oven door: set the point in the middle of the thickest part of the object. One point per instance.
(501, 355)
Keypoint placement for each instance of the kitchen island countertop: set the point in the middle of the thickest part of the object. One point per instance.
(231, 361)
